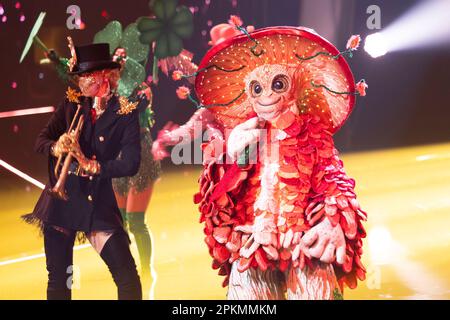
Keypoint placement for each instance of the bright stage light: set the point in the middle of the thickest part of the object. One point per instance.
(425, 25)
(376, 45)
(21, 174)
(26, 112)
(380, 245)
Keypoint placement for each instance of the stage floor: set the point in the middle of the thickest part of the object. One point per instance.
(406, 193)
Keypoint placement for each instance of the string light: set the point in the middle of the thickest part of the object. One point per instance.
(105, 14)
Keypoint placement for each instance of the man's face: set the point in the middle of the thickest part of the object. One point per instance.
(90, 83)
(98, 83)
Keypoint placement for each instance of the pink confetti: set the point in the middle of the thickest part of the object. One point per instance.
(204, 32)
(4, 18)
(17, 6)
(22, 18)
(15, 128)
(209, 23)
(2, 11)
(234, 3)
(14, 85)
(207, 2)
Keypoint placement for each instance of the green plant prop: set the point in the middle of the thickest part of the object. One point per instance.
(167, 29)
(61, 64)
(133, 73)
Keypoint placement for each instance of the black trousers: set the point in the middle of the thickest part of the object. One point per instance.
(115, 253)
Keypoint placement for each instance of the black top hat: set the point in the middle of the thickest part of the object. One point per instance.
(93, 57)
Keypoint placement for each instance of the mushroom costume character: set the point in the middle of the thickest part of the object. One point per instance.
(284, 222)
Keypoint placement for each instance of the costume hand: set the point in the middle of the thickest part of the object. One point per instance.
(171, 134)
(241, 136)
(165, 138)
(262, 233)
(325, 242)
(291, 239)
(63, 145)
(159, 151)
(213, 132)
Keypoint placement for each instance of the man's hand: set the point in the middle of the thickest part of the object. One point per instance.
(63, 145)
(324, 242)
(241, 136)
(89, 166)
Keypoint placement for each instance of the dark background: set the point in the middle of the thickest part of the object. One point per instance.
(408, 96)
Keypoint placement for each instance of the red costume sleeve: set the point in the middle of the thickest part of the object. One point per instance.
(334, 198)
(223, 205)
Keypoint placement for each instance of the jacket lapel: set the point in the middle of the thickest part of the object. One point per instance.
(87, 126)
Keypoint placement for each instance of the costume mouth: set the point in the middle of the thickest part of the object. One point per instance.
(270, 104)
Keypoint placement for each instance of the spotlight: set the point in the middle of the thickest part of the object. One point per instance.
(380, 245)
(376, 45)
(425, 25)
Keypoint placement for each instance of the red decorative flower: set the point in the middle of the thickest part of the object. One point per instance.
(177, 75)
(183, 92)
(353, 42)
(235, 21)
(361, 87)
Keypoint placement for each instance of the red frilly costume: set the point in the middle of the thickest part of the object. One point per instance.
(312, 181)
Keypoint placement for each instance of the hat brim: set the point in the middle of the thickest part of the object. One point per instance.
(86, 67)
(280, 45)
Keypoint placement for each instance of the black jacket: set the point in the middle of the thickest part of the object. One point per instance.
(92, 204)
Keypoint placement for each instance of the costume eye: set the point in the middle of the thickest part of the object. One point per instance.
(255, 88)
(280, 83)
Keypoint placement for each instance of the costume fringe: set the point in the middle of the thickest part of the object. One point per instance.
(31, 219)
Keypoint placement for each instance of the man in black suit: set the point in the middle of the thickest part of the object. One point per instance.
(111, 126)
